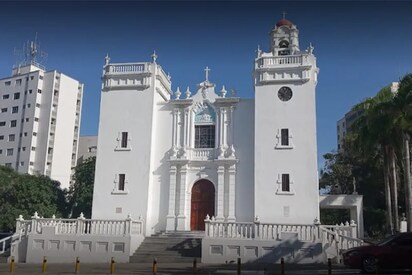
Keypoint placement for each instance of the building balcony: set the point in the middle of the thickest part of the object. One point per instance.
(203, 153)
(273, 62)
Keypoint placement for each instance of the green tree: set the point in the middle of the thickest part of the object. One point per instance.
(25, 194)
(80, 194)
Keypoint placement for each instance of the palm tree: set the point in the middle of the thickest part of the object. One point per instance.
(374, 132)
(403, 121)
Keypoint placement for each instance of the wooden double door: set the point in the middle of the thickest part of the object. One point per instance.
(203, 203)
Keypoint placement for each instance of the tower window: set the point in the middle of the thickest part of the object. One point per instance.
(283, 44)
(285, 183)
(121, 183)
(205, 136)
(124, 140)
(284, 133)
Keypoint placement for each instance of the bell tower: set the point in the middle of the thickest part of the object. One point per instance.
(286, 181)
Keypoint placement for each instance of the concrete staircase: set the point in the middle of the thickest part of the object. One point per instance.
(174, 247)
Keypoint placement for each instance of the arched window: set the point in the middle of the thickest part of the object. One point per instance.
(283, 44)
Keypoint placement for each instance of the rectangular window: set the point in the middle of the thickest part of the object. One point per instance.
(4, 110)
(21, 163)
(28, 105)
(13, 123)
(33, 148)
(7, 83)
(15, 109)
(30, 91)
(16, 95)
(1, 137)
(205, 136)
(9, 152)
(6, 96)
(121, 181)
(2, 123)
(284, 133)
(1, 151)
(12, 137)
(23, 149)
(8, 164)
(285, 183)
(39, 91)
(27, 119)
(18, 82)
(38, 105)
(34, 134)
(31, 77)
(124, 140)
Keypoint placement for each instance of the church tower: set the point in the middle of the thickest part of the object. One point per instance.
(286, 181)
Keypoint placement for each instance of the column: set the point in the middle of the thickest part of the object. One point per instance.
(185, 131)
(181, 218)
(232, 194)
(179, 127)
(220, 193)
(171, 216)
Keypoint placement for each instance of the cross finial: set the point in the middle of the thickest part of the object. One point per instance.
(284, 15)
(154, 57)
(107, 59)
(207, 70)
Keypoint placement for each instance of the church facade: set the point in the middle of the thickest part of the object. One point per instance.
(175, 157)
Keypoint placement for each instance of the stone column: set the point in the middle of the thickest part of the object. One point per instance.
(181, 218)
(185, 131)
(171, 216)
(220, 193)
(232, 194)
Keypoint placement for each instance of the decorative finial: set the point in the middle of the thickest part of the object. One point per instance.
(178, 93)
(169, 77)
(188, 93)
(284, 15)
(106, 59)
(311, 48)
(154, 57)
(207, 70)
(53, 217)
(223, 91)
(81, 217)
(129, 216)
(35, 216)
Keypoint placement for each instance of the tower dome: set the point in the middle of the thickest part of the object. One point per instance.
(284, 22)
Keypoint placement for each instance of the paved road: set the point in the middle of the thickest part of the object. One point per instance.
(180, 269)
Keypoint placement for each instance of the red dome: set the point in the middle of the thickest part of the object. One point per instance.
(284, 22)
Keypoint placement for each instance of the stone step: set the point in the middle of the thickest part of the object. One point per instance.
(175, 247)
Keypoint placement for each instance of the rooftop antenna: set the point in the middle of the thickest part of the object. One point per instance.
(284, 14)
(31, 54)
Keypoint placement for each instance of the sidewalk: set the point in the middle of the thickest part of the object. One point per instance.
(174, 268)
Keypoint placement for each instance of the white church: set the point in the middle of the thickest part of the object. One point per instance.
(175, 157)
(239, 173)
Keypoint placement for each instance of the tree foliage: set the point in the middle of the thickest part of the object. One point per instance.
(376, 153)
(80, 195)
(25, 194)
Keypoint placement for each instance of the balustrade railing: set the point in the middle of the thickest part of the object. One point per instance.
(126, 68)
(258, 230)
(282, 60)
(200, 153)
(82, 226)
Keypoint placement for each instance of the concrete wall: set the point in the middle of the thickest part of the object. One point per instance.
(220, 251)
(65, 248)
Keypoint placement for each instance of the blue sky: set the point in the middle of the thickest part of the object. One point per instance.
(360, 46)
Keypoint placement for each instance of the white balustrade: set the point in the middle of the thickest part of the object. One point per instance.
(82, 226)
(257, 230)
(282, 60)
(203, 153)
(126, 68)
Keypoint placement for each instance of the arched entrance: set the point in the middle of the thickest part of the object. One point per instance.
(203, 203)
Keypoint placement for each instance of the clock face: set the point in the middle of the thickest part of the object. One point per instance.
(285, 93)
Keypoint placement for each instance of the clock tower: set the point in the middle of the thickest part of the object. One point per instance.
(286, 177)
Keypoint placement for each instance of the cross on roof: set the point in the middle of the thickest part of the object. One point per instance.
(207, 70)
(284, 15)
